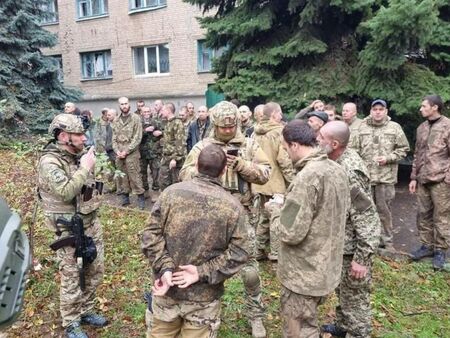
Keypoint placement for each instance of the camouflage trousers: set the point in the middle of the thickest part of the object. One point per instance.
(299, 314)
(383, 194)
(434, 214)
(266, 231)
(131, 167)
(73, 301)
(154, 165)
(185, 319)
(168, 176)
(354, 312)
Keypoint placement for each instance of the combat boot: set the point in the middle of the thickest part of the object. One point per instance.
(334, 330)
(125, 199)
(422, 252)
(438, 260)
(94, 319)
(258, 329)
(141, 201)
(74, 331)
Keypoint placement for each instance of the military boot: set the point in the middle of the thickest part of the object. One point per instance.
(334, 330)
(94, 319)
(141, 201)
(438, 260)
(125, 199)
(74, 331)
(422, 252)
(258, 329)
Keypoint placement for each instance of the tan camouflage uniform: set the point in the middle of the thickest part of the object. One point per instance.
(180, 232)
(252, 167)
(362, 236)
(60, 182)
(384, 139)
(311, 247)
(173, 148)
(431, 169)
(354, 129)
(127, 135)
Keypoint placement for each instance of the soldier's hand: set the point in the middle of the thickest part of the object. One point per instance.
(87, 161)
(150, 128)
(187, 276)
(232, 161)
(162, 284)
(412, 186)
(157, 133)
(358, 271)
(172, 164)
(380, 160)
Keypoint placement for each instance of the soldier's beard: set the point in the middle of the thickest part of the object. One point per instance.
(327, 148)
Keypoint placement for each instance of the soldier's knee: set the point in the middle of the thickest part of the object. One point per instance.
(250, 278)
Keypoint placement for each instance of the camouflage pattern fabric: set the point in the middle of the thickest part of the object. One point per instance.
(383, 195)
(131, 167)
(354, 130)
(245, 127)
(167, 176)
(267, 239)
(151, 150)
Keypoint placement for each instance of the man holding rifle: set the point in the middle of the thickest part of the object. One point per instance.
(70, 198)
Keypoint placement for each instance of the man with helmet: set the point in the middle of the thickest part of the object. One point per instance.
(246, 164)
(67, 187)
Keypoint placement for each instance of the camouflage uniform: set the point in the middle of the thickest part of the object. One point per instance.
(252, 167)
(100, 136)
(247, 128)
(431, 169)
(173, 148)
(311, 247)
(127, 134)
(60, 182)
(354, 129)
(382, 139)
(180, 232)
(362, 235)
(150, 149)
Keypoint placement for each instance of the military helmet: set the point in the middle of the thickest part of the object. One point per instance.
(224, 114)
(66, 122)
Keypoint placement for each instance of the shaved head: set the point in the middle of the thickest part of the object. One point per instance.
(336, 131)
(349, 111)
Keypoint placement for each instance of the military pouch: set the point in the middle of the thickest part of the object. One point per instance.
(91, 197)
(90, 250)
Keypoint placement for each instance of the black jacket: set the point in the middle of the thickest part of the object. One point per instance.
(194, 133)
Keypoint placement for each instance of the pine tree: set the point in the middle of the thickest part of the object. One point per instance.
(30, 90)
(295, 51)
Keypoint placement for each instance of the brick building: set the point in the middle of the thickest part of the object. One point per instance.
(142, 49)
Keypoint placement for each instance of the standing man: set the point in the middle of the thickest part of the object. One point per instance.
(127, 134)
(316, 120)
(430, 178)
(190, 112)
(310, 256)
(381, 143)
(100, 132)
(192, 253)
(139, 105)
(268, 136)
(362, 235)
(199, 128)
(246, 120)
(67, 187)
(316, 105)
(158, 104)
(246, 164)
(69, 108)
(174, 147)
(350, 116)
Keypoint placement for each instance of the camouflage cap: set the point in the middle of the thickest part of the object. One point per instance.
(224, 114)
(66, 122)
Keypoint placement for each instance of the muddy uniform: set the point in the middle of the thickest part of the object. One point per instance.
(150, 150)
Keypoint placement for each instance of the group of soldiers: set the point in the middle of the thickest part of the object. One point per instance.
(313, 194)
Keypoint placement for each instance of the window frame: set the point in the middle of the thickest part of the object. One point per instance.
(50, 8)
(213, 53)
(103, 6)
(158, 64)
(146, 6)
(108, 67)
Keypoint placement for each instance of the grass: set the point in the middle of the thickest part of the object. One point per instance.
(409, 300)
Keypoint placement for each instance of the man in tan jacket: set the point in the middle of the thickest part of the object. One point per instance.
(268, 136)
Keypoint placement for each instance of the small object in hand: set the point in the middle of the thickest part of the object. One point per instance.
(232, 152)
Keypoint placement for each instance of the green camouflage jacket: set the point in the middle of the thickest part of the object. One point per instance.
(127, 133)
(150, 146)
(354, 129)
(174, 140)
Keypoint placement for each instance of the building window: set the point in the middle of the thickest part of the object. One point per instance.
(205, 56)
(96, 65)
(88, 8)
(151, 59)
(141, 4)
(58, 59)
(50, 8)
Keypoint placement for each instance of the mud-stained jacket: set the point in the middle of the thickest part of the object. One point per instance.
(312, 227)
(384, 139)
(251, 167)
(127, 133)
(180, 232)
(174, 140)
(354, 129)
(362, 230)
(432, 154)
(150, 146)
(268, 136)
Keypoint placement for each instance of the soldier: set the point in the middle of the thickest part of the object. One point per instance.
(63, 181)
(268, 137)
(430, 178)
(139, 105)
(126, 137)
(246, 120)
(190, 112)
(192, 253)
(381, 143)
(362, 235)
(350, 116)
(173, 149)
(100, 132)
(158, 104)
(316, 105)
(316, 120)
(311, 246)
(199, 128)
(247, 164)
(258, 113)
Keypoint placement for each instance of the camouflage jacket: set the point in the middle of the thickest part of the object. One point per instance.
(354, 129)
(432, 154)
(268, 136)
(181, 231)
(127, 133)
(245, 128)
(150, 146)
(253, 165)
(312, 227)
(362, 230)
(385, 139)
(174, 140)
(100, 136)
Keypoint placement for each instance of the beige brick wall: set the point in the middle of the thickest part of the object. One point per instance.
(174, 24)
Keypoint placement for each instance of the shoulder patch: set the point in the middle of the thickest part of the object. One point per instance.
(57, 176)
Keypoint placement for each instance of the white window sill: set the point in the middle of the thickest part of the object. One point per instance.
(142, 76)
(145, 9)
(50, 23)
(93, 17)
(96, 79)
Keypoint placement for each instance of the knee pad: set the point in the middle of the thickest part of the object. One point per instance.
(251, 280)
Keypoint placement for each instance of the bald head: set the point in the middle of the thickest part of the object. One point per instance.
(258, 112)
(349, 112)
(336, 131)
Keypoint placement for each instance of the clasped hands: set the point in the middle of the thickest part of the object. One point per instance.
(187, 275)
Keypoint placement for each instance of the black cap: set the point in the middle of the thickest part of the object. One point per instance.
(320, 114)
(379, 101)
